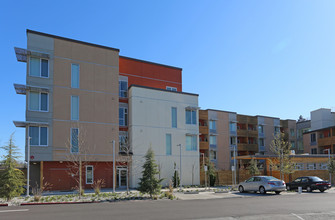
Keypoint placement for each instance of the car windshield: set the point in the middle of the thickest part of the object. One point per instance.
(315, 178)
(270, 178)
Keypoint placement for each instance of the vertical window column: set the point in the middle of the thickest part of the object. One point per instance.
(74, 140)
(74, 107)
(174, 117)
(75, 72)
(168, 144)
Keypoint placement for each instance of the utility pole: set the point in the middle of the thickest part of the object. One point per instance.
(180, 176)
(113, 141)
(205, 168)
(330, 174)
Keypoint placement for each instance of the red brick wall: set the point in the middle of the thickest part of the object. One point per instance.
(57, 174)
(150, 75)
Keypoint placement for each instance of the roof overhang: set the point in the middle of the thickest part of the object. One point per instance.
(22, 54)
(192, 108)
(24, 124)
(22, 89)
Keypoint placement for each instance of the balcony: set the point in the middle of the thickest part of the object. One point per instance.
(247, 147)
(242, 132)
(252, 133)
(203, 129)
(204, 145)
(326, 141)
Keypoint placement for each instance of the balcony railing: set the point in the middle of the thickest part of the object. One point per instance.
(204, 145)
(247, 147)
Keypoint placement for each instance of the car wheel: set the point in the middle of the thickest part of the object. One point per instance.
(322, 190)
(262, 190)
(288, 188)
(241, 189)
(278, 192)
(309, 189)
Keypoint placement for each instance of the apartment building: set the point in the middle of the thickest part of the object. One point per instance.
(320, 139)
(166, 121)
(302, 126)
(223, 134)
(76, 105)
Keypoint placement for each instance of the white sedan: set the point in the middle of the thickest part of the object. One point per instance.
(262, 184)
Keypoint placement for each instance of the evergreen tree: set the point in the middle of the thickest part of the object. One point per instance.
(175, 178)
(252, 168)
(11, 179)
(331, 169)
(211, 172)
(149, 183)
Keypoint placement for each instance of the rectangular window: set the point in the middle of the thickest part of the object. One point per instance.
(123, 116)
(38, 67)
(75, 75)
(313, 137)
(212, 140)
(89, 174)
(74, 107)
(212, 155)
(191, 143)
(123, 143)
(314, 151)
(38, 135)
(292, 144)
(174, 117)
(299, 166)
(260, 129)
(74, 140)
(277, 130)
(168, 144)
(232, 126)
(123, 88)
(38, 101)
(191, 117)
(212, 126)
(261, 141)
(292, 132)
(171, 88)
(232, 140)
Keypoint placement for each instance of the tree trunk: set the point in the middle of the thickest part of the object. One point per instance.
(80, 178)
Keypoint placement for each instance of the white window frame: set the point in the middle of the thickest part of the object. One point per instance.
(170, 147)
(39, 102)
(40, 75)
(125, 91)
(211, 123)
(214, 154)
(172, 117)
(122, 138)
(39, 135)
(192, 139)
(92, 174)
(299, 166)
(212, 137)
(171, 88)
(78, 75)
(71, 141)
(125, 115)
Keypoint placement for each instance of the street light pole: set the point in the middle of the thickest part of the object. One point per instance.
(330, 174)
(28, 165)
(113, 141)
(205, 169)
(180, 176)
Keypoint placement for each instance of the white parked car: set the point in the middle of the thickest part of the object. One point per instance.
(262, 184)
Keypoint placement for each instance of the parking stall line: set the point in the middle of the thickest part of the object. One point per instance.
(15, 210)
(297, 216)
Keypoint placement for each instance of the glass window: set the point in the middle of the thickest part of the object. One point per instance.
(232, 126)
(123, 142)
(233, 140)
(74, 107)
(260, 128)
(292, 144)
(212, 140)
(123, 88)
(191, 143)
(74, 75)
(171, 88)
(292, 132)
(123, 116)
(34, 66)
(313, 137)
(44, 101)
(174, 117)
(74, 140)
(168, 144)
(212, 125)
(89, 174)
(44, 68)
(34, 101)
(212, 155)
(261, 141)
(38, 135)
(191, 117)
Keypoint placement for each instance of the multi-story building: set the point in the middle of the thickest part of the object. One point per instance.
(77, 104)
(166, 121)
(302, 126)
(320, 139)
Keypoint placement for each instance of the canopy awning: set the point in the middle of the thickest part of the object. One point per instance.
(22, 89)
(23, 124)
(21, 54)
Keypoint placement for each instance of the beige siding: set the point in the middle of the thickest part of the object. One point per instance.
(223, 152)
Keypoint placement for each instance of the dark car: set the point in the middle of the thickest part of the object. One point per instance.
(309, 183)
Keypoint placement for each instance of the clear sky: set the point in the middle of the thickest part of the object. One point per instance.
(273, 58)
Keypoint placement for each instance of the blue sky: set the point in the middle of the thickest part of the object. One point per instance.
(274, 58)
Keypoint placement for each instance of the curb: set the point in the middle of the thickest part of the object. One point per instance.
(57, 203)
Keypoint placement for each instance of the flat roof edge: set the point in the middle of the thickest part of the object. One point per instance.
(149, 62)
(72, 40)
(163, 90)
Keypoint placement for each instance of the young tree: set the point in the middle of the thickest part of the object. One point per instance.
(282, 149)
(252, 168)
(331, 169)
(175, 178)
(211, 172)
(149, 183)
(11, 179)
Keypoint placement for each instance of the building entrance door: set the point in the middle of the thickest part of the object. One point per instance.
(121, 178)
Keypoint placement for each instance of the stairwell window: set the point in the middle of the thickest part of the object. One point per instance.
(123, 88)
(123, 116)
(38, 101)
(74, 140)
(38, 135)
(174, 117)
(191, 116)
(89, 175)
(38, 67)
(75, 75)
(74, 107)
(168, 143)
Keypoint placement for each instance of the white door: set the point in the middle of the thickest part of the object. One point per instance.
(121, 179)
